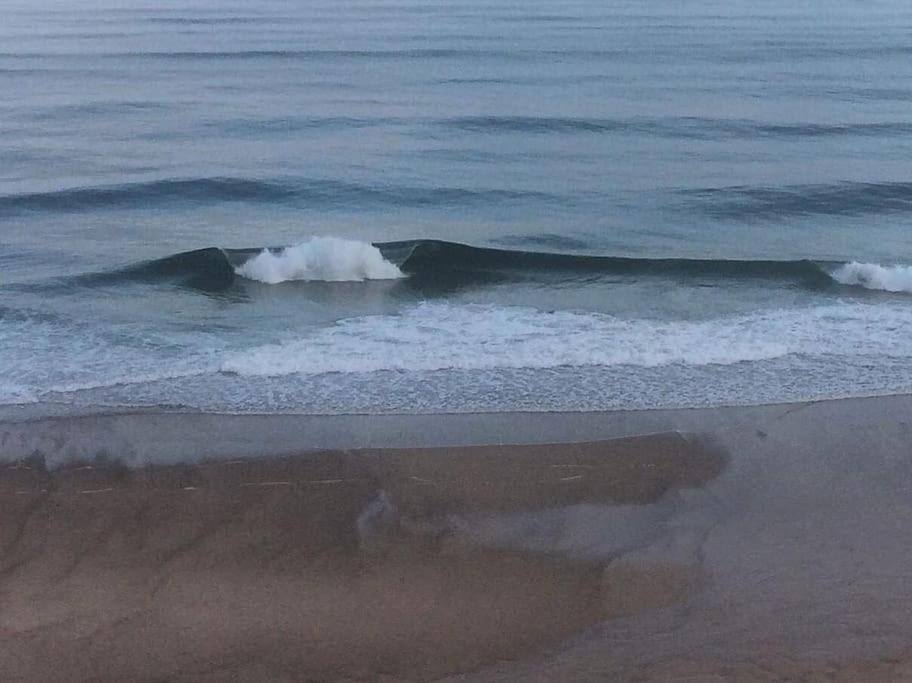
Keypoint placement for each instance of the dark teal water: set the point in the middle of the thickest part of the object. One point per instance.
(579, 205)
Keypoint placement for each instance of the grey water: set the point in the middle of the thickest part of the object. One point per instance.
(468, 205)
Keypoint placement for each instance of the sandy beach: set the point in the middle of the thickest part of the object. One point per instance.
(762, 543)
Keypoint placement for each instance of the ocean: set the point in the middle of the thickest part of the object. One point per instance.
(373, 207)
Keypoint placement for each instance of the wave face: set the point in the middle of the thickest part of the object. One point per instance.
(326, 259)
(208, 270)
(436, 257)
(874, 276)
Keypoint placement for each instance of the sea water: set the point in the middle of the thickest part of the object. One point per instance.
(414, 206)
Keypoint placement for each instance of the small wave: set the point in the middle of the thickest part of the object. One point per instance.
(297, 192)
(547, 240)
(213, 21)
(673, 127)
(713, 128)
(816, 130)
(875, 276)
(318, 54)
(257, 127)
(837, 199)
(108, 108)
(532, 124)
(141, 194)
(327, 259)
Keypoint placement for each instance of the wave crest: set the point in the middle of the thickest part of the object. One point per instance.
(875, 276)
(327, 259)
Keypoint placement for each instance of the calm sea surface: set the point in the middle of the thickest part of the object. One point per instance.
(469, 206)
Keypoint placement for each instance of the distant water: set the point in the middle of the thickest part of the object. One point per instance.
(468, 205)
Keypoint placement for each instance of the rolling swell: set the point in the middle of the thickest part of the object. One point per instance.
(747, 203)
(742, 203)
(136, 195)
(673, 127)
(294, 192)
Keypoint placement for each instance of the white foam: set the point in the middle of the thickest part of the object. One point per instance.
(39, 358)
(14, 393)
(327, 259)
(875, 276)
(437, 336)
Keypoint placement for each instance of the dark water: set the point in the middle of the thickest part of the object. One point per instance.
(575, 205)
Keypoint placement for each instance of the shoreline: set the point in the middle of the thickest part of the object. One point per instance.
(32, 410)
(139, 437)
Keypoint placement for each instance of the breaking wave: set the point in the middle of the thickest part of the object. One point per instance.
(430, 264)
(327, 259)
(874, 276)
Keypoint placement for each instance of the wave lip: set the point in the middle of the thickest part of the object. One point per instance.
(875, 276)
(327, 259)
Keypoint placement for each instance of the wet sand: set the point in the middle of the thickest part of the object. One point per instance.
(752, 544)
(328, 566)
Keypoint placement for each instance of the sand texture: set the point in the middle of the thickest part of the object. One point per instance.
(764, 543)
(327, 566)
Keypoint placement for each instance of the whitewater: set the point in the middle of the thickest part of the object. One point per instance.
(327, 259)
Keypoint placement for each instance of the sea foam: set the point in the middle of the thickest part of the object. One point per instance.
(875, 276)
(437, 336)
(328, 259)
